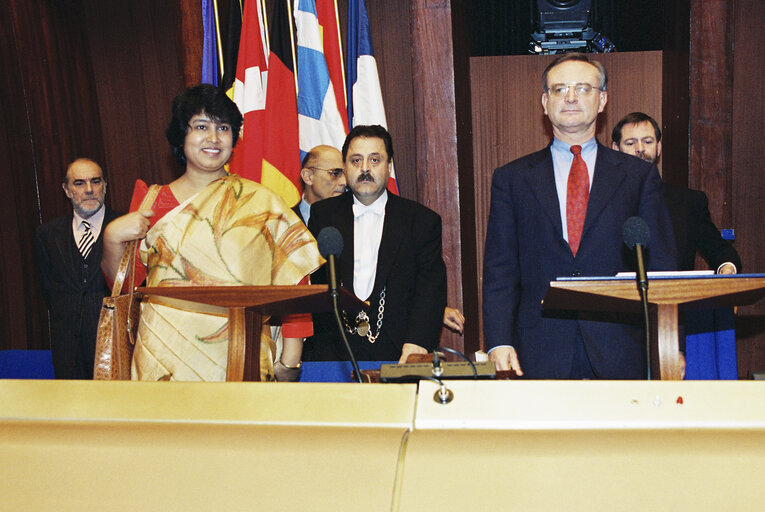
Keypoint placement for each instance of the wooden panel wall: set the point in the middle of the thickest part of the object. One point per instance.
(508, 121)
(676, 92)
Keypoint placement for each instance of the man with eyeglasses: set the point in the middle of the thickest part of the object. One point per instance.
(560, 212)
(322, 176)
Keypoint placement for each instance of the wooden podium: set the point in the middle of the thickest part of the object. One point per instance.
(666, 298)
(246, 306)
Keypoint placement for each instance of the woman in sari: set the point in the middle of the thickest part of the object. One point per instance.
(208, 228)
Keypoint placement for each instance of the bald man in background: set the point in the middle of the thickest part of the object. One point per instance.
(323, 177)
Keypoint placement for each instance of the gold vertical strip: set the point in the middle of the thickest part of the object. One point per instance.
(264, 20)
(292, 45)
(218, 40)
(342, 62)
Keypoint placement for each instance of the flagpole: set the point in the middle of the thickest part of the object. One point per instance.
(265, 28)
(340, 47)
(218, 41)
(292, 45)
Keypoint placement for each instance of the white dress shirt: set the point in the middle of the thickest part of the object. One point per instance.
(368, 224)
(96, 222)
(562, 159)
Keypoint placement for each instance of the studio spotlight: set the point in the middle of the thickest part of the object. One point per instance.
(566, 26)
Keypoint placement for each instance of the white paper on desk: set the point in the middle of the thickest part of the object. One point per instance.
(671, 273)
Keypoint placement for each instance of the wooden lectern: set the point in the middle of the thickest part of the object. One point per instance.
(246, 306)
(666, 298)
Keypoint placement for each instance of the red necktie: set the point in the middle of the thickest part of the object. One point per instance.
(577, 195)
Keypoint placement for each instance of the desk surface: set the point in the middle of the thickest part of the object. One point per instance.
(544, 445)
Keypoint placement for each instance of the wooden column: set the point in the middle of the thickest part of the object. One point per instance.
(435, 78)
(747, 186)
(711, 105)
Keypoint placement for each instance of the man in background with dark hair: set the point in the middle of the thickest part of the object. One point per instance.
(391, 258)
(68, 256)
(639, 134)
(560, 212)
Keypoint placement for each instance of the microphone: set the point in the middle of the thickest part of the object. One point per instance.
(330, 243)
(636, 235)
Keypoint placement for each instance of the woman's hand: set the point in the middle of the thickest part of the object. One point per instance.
(132, 226)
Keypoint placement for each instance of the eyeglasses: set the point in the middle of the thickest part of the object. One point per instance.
(580, 89)
(333, 173)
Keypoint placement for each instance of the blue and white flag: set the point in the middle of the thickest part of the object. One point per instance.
(318, 115)
(365, 103)
(209, 46)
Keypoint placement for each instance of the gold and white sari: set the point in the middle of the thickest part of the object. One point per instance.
(234, 232)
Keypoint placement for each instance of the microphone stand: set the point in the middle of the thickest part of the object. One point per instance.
(642, 279)
(336, 310)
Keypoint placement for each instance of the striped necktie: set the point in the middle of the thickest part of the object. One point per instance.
(86, 240)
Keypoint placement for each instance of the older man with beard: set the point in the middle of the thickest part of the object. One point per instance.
(68, 256)
(391, 258)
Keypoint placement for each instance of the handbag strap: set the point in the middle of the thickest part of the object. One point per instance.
(127, 263)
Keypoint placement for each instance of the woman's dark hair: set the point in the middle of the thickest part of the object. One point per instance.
(195, 100)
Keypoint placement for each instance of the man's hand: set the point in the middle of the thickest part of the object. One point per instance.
(505, 358)
(410, 348)
(727, 268)
(454, 319)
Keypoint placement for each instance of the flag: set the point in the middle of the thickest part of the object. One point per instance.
(231, 45)
(281, 151)
(365, 104)
(319, 117)
(209, 46)
(250, 92)
(326, 12)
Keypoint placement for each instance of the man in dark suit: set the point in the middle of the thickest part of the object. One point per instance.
(560, 212)
(391, 258)
(639, 134)
(68, 256)
(322, 175)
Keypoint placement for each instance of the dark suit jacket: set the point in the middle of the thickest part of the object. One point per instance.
(695, 231)
(410, 267)
(525, 250)
(73, 288)
(296, 209)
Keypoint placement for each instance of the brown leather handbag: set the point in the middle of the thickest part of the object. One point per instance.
(120, 314)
